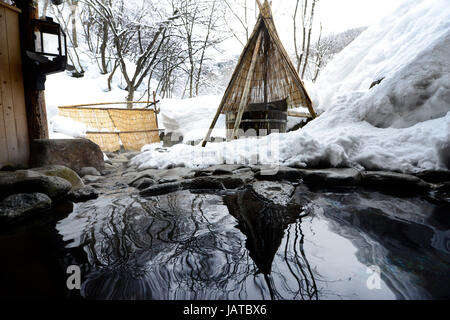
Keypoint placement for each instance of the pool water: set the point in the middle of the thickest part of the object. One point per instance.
(335, 244)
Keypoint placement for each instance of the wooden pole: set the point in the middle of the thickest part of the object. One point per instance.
(34, 98)
(247, 87)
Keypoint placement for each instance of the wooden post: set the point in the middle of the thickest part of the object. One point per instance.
(266, 64)
(246, 91)
(34, 98)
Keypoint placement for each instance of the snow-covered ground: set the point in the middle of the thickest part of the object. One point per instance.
(402, 124)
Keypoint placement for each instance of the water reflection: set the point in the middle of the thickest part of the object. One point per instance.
(264, 225)
(240, 246)
(188, 246)
(405, 237)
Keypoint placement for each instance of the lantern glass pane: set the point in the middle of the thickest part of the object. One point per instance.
(51, 44)
(37, 41)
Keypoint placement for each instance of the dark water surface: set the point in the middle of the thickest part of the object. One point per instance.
(235, 246)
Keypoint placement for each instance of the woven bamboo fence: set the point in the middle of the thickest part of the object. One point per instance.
(112, 127)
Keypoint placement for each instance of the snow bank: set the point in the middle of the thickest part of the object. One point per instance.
(67, 128)
(191, 118)
(409, 50)
(402, 124)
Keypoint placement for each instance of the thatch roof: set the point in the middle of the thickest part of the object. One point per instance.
(274, 76)
(264, 73)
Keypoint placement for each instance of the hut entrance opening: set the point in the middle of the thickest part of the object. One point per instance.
(260, 119)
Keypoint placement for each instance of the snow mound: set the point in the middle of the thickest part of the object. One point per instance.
(64, 127)
(409, 50)
(191, 118)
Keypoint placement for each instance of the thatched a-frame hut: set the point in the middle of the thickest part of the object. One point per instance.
(264, 85)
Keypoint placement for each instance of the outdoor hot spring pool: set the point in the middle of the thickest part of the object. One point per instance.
(184, 245)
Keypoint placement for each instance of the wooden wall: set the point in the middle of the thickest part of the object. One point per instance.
(14, 142)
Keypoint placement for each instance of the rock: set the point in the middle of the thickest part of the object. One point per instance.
(232, 183)
(23, 205)
(221, 172)
(27, 181)
(143, 183)
(205, 183)
(161, 189)
(215, 183)
(277, 192)
(280, 174)
(394, 182)
(131, 155)
(218, 170)
(83, 194)
(92, 179)
(200, 183)
(89, 171)
(434, 176)
(119, 159)
(164, 176)
(62, 172)
(332, 177)
(73, 153)
(109, 166)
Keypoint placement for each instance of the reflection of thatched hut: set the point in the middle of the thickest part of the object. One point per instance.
(264, 84)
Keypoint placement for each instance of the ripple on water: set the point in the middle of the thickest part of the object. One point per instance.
(239, 246)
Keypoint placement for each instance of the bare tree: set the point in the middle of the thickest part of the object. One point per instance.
(327, 47)
(240, 15)
(307, 8)
(73, 18)
(199, 30)
(135, 37)
(59, 12)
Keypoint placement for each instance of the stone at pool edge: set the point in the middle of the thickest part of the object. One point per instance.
(27, 181)
(62, 172)
(83, 194)
(324, 177)
(200, 183)
(23, 205)
(73, 153)
(89, 171)
(392, 181)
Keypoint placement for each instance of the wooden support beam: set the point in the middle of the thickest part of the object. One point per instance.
(34, 98)
(299, 114)
(246, 91)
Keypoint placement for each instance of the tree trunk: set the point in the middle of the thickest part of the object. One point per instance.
(103, 48)
(73, 10)
(130, 97)
(45, 8)
(308, 45)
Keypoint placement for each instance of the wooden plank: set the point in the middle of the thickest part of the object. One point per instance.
(4, 155)
(299, 114)
(150, 103)
(10, 7)
(243, 103)
(17, 88)
(7, 96)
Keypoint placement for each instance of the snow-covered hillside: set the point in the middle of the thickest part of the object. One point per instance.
(402, 124)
